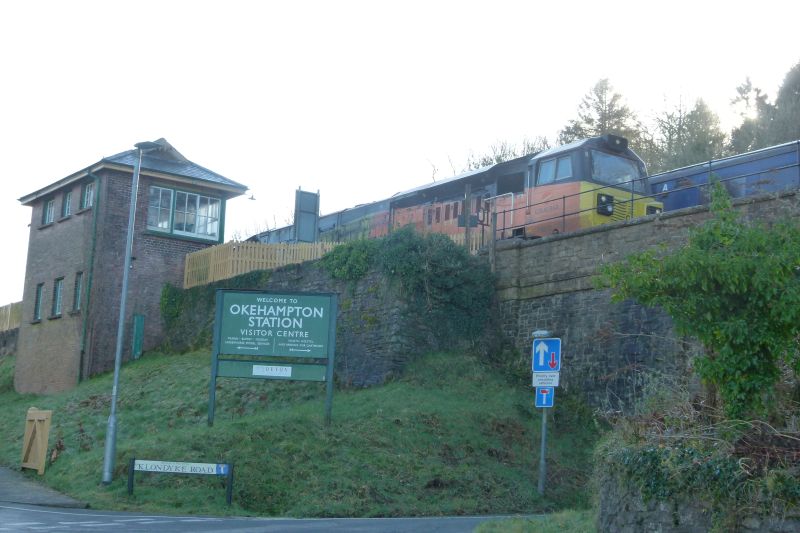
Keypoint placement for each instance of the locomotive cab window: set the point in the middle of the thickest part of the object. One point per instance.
(612, 169)
(554, 169)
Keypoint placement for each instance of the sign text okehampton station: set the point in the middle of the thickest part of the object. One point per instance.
(263, 324)
(287, 317)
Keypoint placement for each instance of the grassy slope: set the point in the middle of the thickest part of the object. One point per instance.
(450, 437)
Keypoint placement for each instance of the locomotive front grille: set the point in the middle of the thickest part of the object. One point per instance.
(622, 210)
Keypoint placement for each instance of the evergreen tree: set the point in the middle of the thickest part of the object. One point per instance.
(686, 138)
(786, 125)
(757, 116)
(602, 111)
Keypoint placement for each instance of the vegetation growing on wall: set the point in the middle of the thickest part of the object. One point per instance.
(186, 315)
(736, 288)
(439, 276)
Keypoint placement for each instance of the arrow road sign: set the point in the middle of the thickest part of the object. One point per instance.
(545, 396)
(547, 355)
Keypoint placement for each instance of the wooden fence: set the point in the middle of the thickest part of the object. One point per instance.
(476, 240)
(10, 316)
(233, 258)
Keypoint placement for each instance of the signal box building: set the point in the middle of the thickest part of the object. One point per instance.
(76, 254)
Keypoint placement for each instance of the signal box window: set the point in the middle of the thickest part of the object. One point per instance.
(37, 303)
(49, 212)
(447, 212)
(87, 195)
(58, 292)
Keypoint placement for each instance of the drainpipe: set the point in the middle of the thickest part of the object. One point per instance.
(89, 273)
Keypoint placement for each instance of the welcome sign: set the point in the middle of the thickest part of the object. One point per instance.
(261, 335)
(291, 325)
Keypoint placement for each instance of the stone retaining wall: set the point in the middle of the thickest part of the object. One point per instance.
(622, 510)
(547, 284)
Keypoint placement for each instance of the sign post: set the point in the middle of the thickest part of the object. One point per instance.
(262, 335)
(546, 367)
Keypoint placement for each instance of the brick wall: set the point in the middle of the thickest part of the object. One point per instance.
(606, 347)
(49, 357)
(48, 351)
(157, 260)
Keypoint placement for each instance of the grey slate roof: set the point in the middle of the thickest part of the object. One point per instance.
(166, 160)
(170, 161)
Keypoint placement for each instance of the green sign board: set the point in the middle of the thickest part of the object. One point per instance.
(254, 323)
(259, 335)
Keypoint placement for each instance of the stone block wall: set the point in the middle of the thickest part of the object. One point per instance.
(378, 330)
(547, 284)
(8, 342)
(623, 510)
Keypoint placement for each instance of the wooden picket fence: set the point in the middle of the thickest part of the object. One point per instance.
(233, 258)
(10, 316)
(476, 240)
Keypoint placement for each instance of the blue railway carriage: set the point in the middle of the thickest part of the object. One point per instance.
(772, 169)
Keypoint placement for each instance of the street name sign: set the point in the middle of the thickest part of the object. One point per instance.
(177, 467)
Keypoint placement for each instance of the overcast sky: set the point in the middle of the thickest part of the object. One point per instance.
(358, 100)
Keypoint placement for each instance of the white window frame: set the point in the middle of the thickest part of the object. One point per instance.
(58, 296)
(77, 291)
(49, 214)
(201, 213)
(37, 302)
(66, 204)
(87, 195)
(160, 208)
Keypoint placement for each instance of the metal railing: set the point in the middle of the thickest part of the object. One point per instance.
(622, 209)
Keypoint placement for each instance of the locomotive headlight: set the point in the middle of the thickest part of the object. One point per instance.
(654, 210)
(605, 204)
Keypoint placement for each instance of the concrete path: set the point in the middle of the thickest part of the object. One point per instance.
(18, 488)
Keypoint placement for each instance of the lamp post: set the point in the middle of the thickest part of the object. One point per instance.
(111, 429)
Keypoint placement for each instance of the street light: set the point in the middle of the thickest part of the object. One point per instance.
(111, 430)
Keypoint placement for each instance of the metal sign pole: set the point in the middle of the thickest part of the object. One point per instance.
(542, 461)
(547, 368)
(331, 355)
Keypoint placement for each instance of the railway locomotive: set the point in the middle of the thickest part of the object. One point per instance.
(563, 189)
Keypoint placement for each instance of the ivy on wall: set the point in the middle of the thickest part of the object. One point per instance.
(453, 288)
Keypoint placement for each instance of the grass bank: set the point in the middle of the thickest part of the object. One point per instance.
(450, 437)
